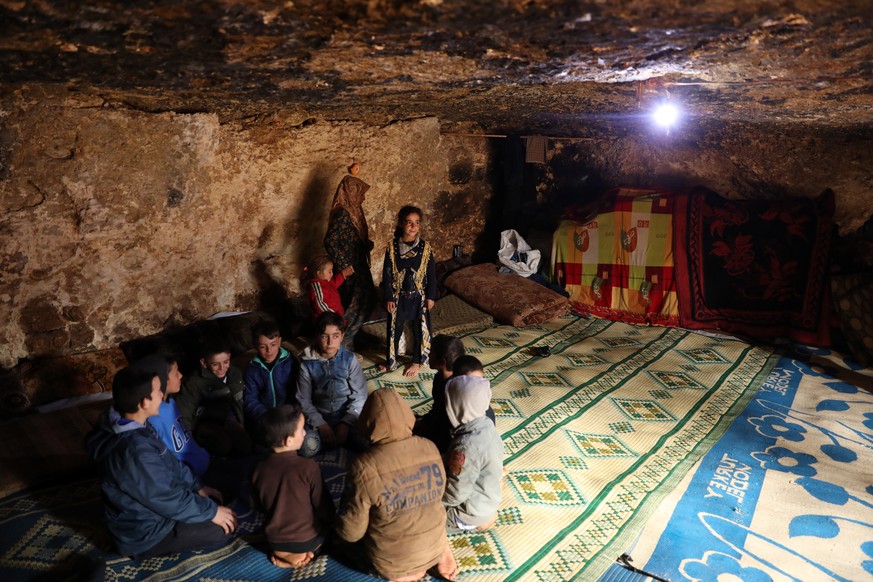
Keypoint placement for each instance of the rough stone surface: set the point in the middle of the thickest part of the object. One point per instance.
(50, 379)
(737, 163)
(158, 220)
(161, 161)
(512, 64)
(42, 381)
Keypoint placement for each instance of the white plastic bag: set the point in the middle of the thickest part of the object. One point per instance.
(517, 255)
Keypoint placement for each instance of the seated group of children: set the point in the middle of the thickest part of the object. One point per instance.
(401, 496)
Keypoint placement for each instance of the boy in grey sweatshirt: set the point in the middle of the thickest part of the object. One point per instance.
(474, 462)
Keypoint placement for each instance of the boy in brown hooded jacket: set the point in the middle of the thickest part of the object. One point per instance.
(393, 495)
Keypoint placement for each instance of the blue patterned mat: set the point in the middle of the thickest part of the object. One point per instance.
(786, 493)
(55, 533)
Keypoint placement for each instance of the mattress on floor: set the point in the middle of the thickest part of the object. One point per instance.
(38, 448)
(451, 315)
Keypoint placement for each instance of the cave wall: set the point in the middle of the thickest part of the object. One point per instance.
(738, 161)
(117, 223)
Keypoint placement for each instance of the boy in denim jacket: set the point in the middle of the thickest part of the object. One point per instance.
(331, 389)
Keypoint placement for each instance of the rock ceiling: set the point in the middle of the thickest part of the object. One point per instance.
(555, 67)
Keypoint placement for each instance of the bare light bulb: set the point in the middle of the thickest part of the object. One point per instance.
(666, 115)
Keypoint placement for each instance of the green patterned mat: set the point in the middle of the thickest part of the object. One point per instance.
(595, 435)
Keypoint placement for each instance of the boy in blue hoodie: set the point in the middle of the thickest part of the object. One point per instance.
(169, 423)
(269, 377)
(153, 503)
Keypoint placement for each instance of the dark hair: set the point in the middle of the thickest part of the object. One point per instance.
(266, 327)
(466, 364)
(445, 349)
(402, 215)
(157, 364)
(130, 386)
(215, 345)
(327, 318)
(279, 423)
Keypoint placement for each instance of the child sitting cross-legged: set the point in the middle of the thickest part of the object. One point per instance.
(225, 475)
(391, 505)
(290, 491)
(212, 402)
(331, 389)
(269, 377)
(153, 504)
(169, 423)
(474, 463)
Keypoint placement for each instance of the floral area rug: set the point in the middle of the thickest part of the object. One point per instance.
(759, 268)
(786, 494)
(596, 434)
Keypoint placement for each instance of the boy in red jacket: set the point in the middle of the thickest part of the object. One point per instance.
(324, 285)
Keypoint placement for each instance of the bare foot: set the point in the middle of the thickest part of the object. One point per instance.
(412, 369)
(279, 563)
(447, 567)
(291, 560)
(385, 368)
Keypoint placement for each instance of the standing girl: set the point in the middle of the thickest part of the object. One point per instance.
(410, 289)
